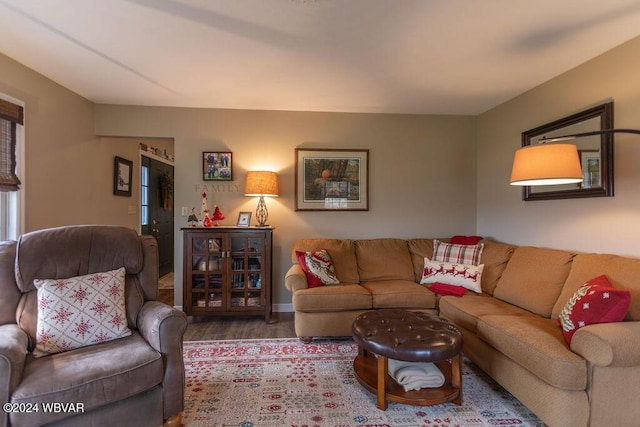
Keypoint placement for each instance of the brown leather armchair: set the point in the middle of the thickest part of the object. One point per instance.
(133, 381)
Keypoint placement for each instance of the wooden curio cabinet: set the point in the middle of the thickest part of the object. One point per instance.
(227, 271)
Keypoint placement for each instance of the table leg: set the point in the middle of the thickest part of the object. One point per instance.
(383, 365)
(456, 377)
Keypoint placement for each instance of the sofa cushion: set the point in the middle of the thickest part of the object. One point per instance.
(419, 250)
(400, 294)
(383, 259)
(466, 311)
(495, 257)
(318, 268)
(341, 251)
(622, 272)
(332, 298)
(110, 372)
(533, 278)
(455, 253)
(537, 344)
(594, 302)
(80, 311)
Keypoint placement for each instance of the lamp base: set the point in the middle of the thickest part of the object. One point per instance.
(261, 213)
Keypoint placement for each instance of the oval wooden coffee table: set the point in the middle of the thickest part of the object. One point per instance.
(411, 337)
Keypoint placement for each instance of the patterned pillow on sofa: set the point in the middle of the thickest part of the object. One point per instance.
(80, 311)
(318, 268)
(465, 275)
(594, 302)
(458, 254)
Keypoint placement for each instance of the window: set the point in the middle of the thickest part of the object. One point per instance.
(144, 195)
(11, 164)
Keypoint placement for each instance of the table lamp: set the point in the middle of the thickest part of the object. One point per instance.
(261, 184)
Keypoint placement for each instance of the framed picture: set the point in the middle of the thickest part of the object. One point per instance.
(217, 166)
(244, 219)
(332, 180)
(122, 173)
(590, 162)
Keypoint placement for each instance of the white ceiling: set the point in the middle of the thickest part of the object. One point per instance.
(398, 56)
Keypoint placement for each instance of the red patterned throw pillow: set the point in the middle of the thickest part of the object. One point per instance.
(594, 302)
(80, 311)
(318, 268)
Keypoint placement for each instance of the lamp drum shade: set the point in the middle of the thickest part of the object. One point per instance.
(546, 164)
(261, 183)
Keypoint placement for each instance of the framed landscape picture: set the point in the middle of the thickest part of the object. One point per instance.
(217, 166)
(332, 180)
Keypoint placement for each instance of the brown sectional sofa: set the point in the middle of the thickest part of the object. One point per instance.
(510, 330)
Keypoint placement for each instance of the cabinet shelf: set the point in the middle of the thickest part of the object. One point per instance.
(227, 271)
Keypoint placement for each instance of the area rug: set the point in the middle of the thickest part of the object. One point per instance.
(283, 382)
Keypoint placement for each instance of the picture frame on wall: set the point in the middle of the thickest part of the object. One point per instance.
(217, 166)
(244, 219)
(331, 180)
(122, 175)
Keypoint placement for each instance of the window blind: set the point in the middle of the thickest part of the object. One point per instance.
(11, 115)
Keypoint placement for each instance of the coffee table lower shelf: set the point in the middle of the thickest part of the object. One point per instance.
(367, 366)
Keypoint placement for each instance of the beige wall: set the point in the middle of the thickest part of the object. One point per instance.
(597, 224)
(422, 169)
(68, 175)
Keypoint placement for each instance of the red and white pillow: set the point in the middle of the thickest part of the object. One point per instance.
(318, 268)
(80, 311)
(594, 302)
(458, 254)
(466, 275)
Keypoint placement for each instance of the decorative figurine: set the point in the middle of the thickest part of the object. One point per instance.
(217, 216)
(204, 211)
(193, 219)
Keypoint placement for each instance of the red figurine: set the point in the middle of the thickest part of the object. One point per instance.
(217, 216)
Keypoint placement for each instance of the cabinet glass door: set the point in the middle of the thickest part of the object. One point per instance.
(207, 263)
(246, 271)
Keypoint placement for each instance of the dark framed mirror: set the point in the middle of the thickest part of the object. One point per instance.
(596, 154)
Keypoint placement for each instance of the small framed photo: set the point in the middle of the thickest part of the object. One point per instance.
(122, 173)
(217, 166)
(244, 219)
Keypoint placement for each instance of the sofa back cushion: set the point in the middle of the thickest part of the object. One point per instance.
(341, 251)
(495, 257)
(419, 250)
(384, 259)
(622, 272)
(533, 278)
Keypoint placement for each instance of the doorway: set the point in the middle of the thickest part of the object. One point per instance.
(156, 208)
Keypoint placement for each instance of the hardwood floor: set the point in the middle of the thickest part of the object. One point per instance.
(233, 327)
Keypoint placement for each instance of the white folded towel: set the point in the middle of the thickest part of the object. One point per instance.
(415, 375)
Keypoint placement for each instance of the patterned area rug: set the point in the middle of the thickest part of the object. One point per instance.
(282, 382)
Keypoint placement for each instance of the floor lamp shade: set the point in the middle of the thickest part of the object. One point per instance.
(261, 184)
(546, 164)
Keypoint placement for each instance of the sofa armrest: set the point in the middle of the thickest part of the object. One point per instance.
(295, 279)
(13, 352)
(163, 327)
(609, 344)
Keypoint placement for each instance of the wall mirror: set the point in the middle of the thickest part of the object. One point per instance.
(596, 154)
